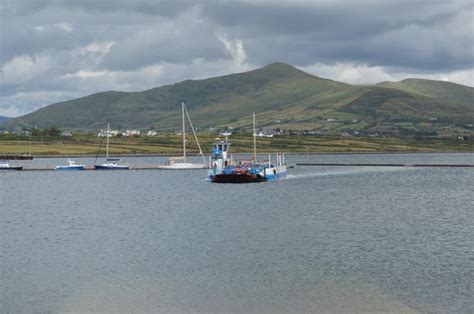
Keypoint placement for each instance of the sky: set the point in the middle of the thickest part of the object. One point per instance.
(53, 50)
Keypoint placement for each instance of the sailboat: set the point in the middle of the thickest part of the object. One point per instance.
(226, 170)
(180, 163)
(110, 163)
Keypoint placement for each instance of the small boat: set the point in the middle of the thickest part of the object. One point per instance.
(72, 165)
(175, 163)
(225, 170)
(110, 164)
(180, 163)
(6, 166)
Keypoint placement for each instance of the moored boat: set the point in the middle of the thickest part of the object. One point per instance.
(111, 164)
(180, 163)
(6, 166)
(175, 163)
(72, 165)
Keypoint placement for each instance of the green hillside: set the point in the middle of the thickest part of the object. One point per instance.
(282, 96)
(440, 90)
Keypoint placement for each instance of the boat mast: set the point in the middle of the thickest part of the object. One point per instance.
(107, 141)
(194, 132)
(254, 140)
(184, 136)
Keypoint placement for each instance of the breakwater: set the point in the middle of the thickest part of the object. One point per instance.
(16, 157)
(384, 165)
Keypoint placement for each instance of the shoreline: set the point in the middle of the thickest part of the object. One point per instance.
(260, 153)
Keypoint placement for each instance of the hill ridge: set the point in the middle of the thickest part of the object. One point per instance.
(282, 96)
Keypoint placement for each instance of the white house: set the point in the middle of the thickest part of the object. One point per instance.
(131, 132)
(103, 133)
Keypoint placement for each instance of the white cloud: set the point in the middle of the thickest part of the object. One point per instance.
(24, 102)
(25, 68)
(236, 49)
(10, 111)
(364, 74)
(102, 47)
(64, 26)
(349, 73)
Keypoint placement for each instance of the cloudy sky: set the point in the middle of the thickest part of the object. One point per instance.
(53, 50)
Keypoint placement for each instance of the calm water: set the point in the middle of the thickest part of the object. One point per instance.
(322, 240)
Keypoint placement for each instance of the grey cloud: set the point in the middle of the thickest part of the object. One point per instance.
(158, 42)
(385, 33)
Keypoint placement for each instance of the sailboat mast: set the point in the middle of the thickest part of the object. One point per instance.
(254, 139)
(184, 136)
(194, 133)
(107, 139)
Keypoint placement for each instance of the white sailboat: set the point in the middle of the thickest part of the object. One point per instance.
(180, 163)
(111, 164)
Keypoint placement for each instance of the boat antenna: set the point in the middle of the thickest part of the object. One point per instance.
(195, 136)
(184, 135)
(107, 139)
(254, 140)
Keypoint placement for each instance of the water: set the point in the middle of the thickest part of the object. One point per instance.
(325, 239)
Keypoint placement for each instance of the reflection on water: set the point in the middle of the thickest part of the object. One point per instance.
(327, 239)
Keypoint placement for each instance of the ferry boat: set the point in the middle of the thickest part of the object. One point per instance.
(225, 170)
(72, 165)
(6, 166)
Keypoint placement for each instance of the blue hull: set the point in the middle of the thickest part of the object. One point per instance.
(274, 177)
(66, 168)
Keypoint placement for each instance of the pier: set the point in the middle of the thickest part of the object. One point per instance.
(91, 167)
(386, 165)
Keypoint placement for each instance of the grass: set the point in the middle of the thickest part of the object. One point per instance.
(171, 144)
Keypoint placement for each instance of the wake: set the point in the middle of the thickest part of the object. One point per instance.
(342, 172)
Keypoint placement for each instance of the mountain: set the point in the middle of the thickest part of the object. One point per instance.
(444, 91)
(3, 119)
(281, 95)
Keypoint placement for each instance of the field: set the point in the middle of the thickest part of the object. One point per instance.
(171, 144)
